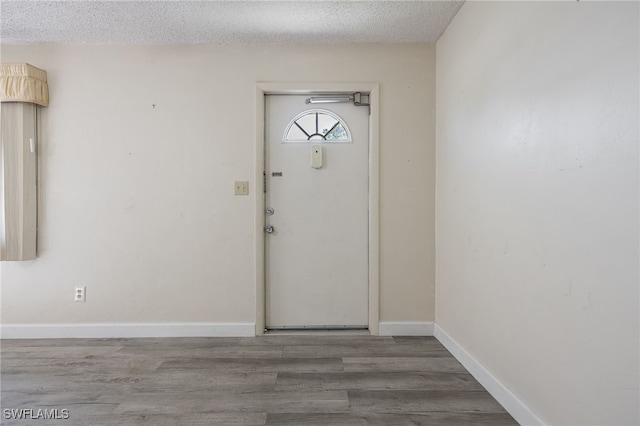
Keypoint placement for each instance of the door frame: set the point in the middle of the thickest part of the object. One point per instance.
(266, 88)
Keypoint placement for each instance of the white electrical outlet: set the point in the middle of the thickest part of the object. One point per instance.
(81, 294)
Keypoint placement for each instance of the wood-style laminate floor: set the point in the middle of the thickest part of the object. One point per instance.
(271, 380)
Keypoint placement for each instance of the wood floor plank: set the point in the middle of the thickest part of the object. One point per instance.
(416, 340)
(213, 381)
(208, 352)
(180, 342)
(403, 401)
(258, 365)
(53, 343)
(160, 381)
(64, 352)
(385, 419)
(199, 419)
(310, 340)
(78, 418)
(402, 364)
(89, 395)
(377, 381)
(316, 419)
(365, 350)
(208, 402)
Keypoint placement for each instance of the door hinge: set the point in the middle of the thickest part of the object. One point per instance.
(264, 182)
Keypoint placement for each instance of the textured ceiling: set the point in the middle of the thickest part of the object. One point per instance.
(223, 22)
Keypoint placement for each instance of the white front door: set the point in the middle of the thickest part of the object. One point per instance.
(317, 197)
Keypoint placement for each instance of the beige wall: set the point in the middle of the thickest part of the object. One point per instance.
(537, 202)
(137, 202)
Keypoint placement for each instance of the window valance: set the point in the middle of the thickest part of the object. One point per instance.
(23, 83)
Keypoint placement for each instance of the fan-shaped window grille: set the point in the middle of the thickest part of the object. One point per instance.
(317, 125)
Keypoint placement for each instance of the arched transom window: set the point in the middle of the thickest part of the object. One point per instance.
(317, 125)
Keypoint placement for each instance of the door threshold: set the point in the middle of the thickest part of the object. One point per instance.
(317, 332)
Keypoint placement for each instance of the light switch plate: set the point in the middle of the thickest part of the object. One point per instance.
(241, 187)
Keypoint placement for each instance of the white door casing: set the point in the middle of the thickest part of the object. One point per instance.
(261, 90)
(317, 258)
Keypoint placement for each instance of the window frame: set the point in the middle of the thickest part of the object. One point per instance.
(323, 139)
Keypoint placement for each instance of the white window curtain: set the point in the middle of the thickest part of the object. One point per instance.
(23, 83)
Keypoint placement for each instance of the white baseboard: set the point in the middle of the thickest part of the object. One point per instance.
(121, 330)
(405, 328)
(509, 400)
